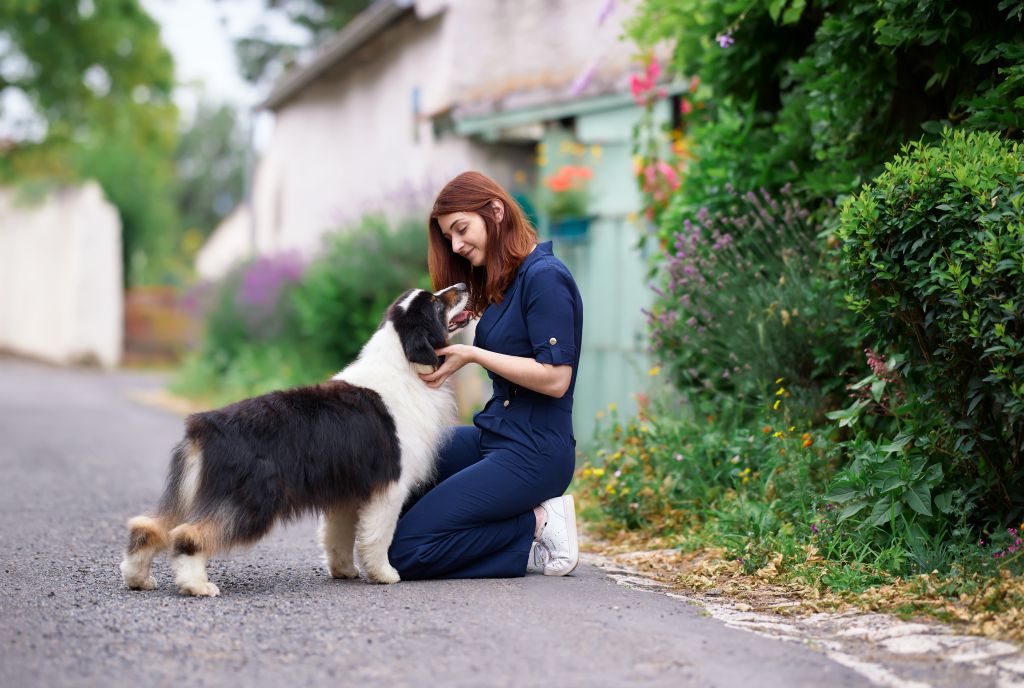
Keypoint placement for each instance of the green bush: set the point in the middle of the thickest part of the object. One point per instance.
(251, 341)
(278, 322)
(747, 297)
(934, 256)
(673, 473)
(345, 291)
(820, 94)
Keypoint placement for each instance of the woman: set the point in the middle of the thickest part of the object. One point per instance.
(500, 480)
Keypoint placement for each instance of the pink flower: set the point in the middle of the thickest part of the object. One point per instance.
(685, 106)
(642, 87)
(725, 39)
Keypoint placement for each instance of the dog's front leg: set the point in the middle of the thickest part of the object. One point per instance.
(375, 530)
(338, 535)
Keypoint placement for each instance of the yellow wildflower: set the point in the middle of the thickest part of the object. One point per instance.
(612, 406)
(780, 391)
(775, 406)
(792, 428)
(610, 489)
(654, 371)
(778, 434)
(596, 151)
(779, 381)
(598, 472)
(600, 414)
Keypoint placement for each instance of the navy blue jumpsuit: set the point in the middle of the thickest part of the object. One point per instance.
(478, 522)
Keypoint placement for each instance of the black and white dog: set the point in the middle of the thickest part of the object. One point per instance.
(352, 449)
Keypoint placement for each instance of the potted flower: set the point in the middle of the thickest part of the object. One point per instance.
(567, 199)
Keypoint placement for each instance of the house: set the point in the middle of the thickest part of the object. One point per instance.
(411, 93)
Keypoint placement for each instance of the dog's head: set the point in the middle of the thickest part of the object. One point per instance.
(423, 321)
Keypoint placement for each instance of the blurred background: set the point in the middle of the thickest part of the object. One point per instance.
(235, 189)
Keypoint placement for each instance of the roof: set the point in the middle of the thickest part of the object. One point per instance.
(370, 22)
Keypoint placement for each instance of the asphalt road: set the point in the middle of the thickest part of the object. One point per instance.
(79, 457)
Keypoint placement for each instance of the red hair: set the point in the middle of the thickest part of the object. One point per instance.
(508, 241)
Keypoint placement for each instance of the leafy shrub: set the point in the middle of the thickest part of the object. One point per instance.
(746, 297)
(673, 473)
(934, 253)
(347, 288)
(277, 322)
(250, 339)
(820, 94)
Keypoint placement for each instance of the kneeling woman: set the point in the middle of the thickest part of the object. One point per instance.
(501, 480)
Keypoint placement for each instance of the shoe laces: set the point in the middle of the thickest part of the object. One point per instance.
(541, 555)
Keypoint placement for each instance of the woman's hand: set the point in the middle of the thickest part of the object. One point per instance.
(455, 356)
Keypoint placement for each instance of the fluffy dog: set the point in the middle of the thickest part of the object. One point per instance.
(352, 449)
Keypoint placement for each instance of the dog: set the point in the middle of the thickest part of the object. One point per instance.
(351, 449)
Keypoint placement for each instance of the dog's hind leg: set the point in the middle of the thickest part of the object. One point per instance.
(338, 535)
(191, 547)
(146, 537)
(375, 530)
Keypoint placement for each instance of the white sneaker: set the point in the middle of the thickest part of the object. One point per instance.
(557, 550)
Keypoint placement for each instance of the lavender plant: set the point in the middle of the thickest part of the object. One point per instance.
(748, 296)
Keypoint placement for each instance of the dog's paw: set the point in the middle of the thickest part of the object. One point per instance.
(206, 589)
(386, 575)
(343, 570)
(140, 583)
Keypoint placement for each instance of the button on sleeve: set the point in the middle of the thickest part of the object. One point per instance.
(550, 304)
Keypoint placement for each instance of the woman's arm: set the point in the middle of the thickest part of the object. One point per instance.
(552, 380)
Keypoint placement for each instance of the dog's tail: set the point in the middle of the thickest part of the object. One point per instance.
(182, 482)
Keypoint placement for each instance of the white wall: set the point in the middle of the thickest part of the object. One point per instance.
(345, 146)
(230, 242)
(61, 293)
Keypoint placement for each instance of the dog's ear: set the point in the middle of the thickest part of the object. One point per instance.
(418, 349)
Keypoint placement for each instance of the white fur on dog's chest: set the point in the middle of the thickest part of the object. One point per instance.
(422, 414)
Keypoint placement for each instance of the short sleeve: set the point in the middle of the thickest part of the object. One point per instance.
(549, 301)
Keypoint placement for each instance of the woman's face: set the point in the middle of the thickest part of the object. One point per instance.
(467, 234)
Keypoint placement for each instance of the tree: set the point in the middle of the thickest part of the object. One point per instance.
(262, 57)
(99, 80)
(211, 163)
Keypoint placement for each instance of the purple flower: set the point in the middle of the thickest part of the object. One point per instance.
(814, 529)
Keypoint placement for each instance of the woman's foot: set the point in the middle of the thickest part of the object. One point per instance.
(557, 549)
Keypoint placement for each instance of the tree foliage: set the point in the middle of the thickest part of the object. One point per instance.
(99, 81)
(210, 161)
(822, 93)
(263, 57)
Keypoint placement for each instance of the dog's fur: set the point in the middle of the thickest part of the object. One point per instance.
(352, 449)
